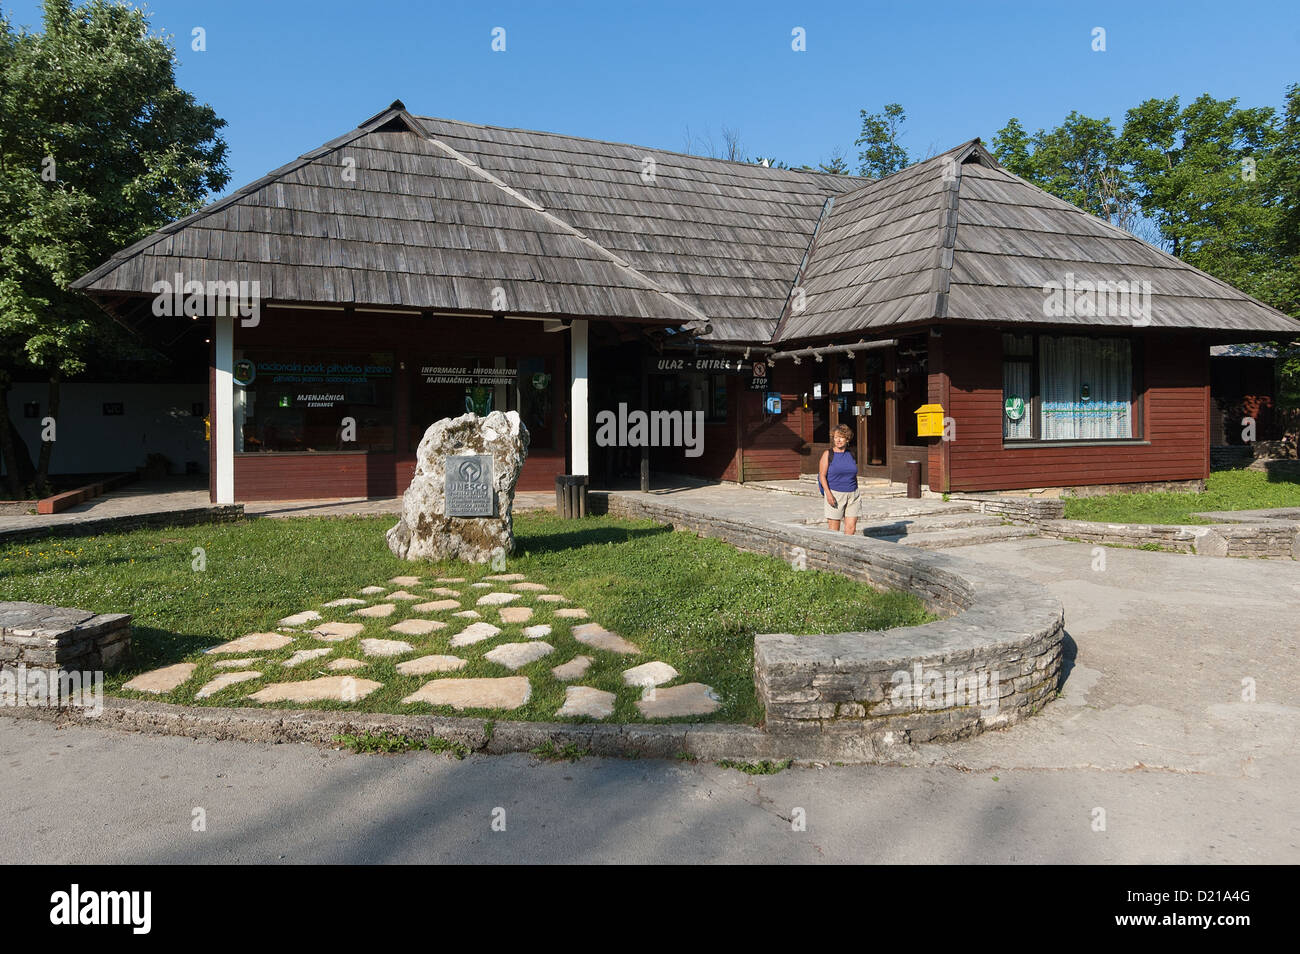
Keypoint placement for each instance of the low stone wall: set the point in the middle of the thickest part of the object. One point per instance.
(52, 637)
(993, 661)
(1275, 539)
(90, 526)
(1022, 509)
(1145, 487)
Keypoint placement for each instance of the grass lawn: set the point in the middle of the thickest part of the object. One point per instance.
(1225, 490)
(692, 603)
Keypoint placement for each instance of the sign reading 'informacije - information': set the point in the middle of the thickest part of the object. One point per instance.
(468, 487)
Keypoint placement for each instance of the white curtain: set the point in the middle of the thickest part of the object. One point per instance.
(1018, 381)
(1087, 384)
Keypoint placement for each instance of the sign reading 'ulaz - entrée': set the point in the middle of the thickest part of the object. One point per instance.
(468, 486)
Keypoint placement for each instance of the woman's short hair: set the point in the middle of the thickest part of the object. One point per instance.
(845, 430)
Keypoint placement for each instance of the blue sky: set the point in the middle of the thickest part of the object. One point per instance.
(288, 76)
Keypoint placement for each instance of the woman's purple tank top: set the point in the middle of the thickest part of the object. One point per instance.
(842, 472)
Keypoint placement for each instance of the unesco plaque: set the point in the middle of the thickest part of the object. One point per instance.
(468, 487)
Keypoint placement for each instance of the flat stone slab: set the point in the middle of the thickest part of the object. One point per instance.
(304, 655)
(694, 698)
(552, 598)
(236, 663)
(443, 591)
(403, 595)
(345, 663)
(516, 614)
(540, 631)
(377, 611)
(497, 599)
(481, 586)
(427, 664)
(372, 590)
(586, 701)
(572, 613)
(385, 647)
(299, 619)
(437, 606)
(505, 577)
(469, 614)
(405, 581)
(517, 655)
(337, 632)
(253, 642)
(575, 668)
(649, 674)
(475, 633)
(345, 601)
(598, 637)
(332, 688)
(449, 579)
(162, 680)
(529, 587)
(416, 627)
(224, 681)
(508, 692)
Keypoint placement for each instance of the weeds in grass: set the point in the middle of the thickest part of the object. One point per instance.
(388, 743)
(764, 767)
(567, 752)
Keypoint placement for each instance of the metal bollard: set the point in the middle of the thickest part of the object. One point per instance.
(914, 479)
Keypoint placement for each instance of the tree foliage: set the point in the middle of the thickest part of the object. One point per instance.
(882, 153)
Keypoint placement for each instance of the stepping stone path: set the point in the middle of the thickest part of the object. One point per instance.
(326, 688)
(403, 595)
(236, 663)
(449, 579)
(345, 601)
(649, 674)
(436, 606)
(443, 591)
(552, 598)
(303, 655)
(469, 614)
(298, 619)
(598, 637)
(252, 643)
(571, 613)
(517, 655)
(509, 692)
(540, 631)
(694, 698)
(529, 587)
(345, 663)
(376, 611)
(575, 668)
(481, 586)
(497, 599)
(416, 627)
(372, 590)
(405, 581)
(223, 681)
(475, 633)
(516, 614)
(427, 664)
(385, 647)
(162, 680)
(586, 701)
(505, 577)
(337, 632)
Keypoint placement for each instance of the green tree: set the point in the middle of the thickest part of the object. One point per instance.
(1012, 148)
(882, 153)
(98, 148)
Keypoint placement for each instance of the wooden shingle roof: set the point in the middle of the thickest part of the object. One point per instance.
(959, 238)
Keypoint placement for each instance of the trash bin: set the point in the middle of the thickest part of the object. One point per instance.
(571, 495)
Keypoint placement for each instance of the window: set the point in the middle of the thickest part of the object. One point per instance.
(288, 401)
(911, 388)
(451, 385)
(691, 391)
(1067, 388)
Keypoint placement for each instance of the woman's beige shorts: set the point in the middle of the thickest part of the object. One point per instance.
(847, 504)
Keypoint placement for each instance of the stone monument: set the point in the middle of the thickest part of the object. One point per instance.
(458, 504)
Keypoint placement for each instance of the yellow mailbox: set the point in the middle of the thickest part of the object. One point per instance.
(929, 420)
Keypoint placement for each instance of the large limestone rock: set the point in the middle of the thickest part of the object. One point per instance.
(425, 532)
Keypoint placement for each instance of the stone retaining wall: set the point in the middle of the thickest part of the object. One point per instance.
(1023, 509)
(1277, 539)
(854, 691)
(90, 526)
(52, 637)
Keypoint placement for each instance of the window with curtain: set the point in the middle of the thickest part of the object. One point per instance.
(1068, 388)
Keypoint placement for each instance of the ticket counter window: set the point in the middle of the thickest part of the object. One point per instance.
(305, 402)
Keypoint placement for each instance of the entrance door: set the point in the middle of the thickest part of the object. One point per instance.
(872, 439)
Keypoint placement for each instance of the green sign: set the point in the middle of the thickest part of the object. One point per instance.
(1015, 407)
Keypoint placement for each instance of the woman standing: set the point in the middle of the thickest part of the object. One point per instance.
(838, 474)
